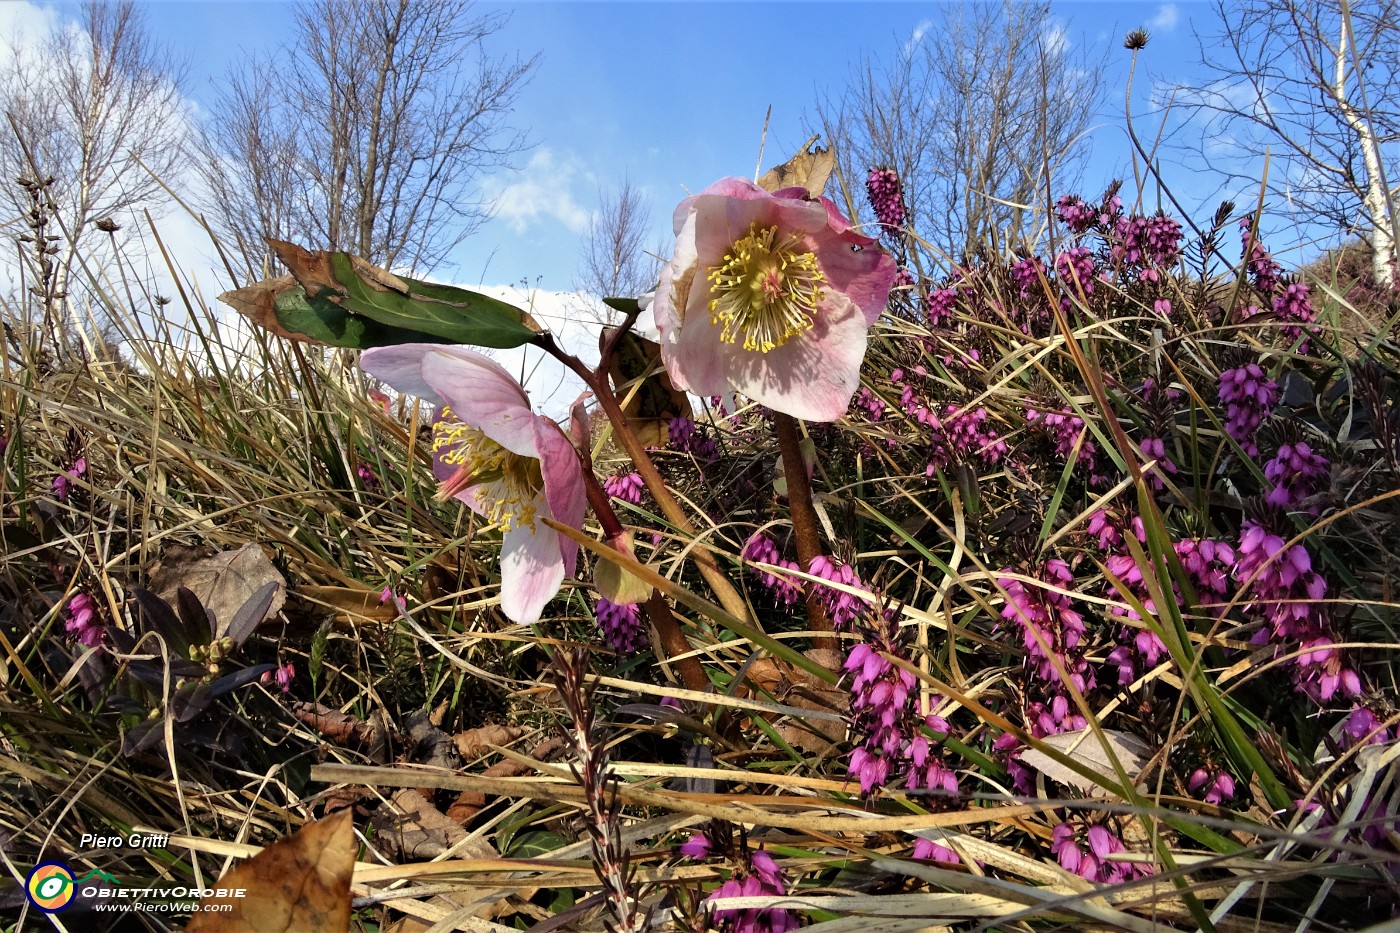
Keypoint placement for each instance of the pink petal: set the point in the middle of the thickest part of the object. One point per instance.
(531, 571)
(564, 490)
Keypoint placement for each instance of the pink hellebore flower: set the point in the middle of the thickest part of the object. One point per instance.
(769, 295)
(500, 458)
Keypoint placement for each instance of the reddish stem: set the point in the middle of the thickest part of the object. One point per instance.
(805, 529)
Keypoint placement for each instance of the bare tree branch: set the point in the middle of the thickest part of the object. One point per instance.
(91, 101)
(972, 115)
(369, 133)
(1315, 84)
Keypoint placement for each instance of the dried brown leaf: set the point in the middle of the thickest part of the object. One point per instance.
(258, 303)
(810, 169)
(223, 582)
(300, 884)
(1131, 751)
(475, 743)
(656, 401)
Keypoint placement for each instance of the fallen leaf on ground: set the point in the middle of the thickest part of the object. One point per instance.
(474, 743)
(300, 884)
(223, 582)
(1131, 751)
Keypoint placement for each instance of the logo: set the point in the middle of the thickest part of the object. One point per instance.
(50, 886)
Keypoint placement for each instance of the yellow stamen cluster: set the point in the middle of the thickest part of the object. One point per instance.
(765, 290)
(510, 483)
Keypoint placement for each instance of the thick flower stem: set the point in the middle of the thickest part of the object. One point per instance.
(804, 515)
(674, 643)
(728, 596)
(672, 639)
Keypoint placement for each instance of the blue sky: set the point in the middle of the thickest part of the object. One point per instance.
(673, 96)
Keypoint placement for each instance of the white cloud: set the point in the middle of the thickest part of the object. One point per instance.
(1056, 40)
(917, 36)
(543, 191)
(1165, 19)
(565, 314)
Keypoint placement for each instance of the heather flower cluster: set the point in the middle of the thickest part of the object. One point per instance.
(1284, 591)
(1207, 563)
(1080, 217)
(887, 719)
(1065, 430)
(1249, 396)
(625, 487)
(686, 437)
(761, 549)
(760, 877)
(1297, 473)
(951, 433)
(1263, 270)
(84, 620)
(1085, 848)
(842, 608)
(621, 625)
(1152, 243)
(886, 196)
(1052, 632)
(64, 482)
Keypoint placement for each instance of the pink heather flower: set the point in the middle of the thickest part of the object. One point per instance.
(1156, 448)
(1076, 264)
(84, 622)
(1363, 726)
(1026, 273)
(1075, 214)
(1050, 628)
(387, 597)
(887, 199)
(954, 435)
(1293, 305)
(842, 607)
(765, 879)
(771, 296)
(380, 399)
(369, 479)
(625, 487)
(683, 435)
(1064, 429)
(870, 403)
(697, 847)
(281, 676)
(1283, 589)
(1259, 261)
(1084, 850)
(1214, 785)
(622, 626)
(929, 850)
(506, 463)
(63, 482)
(939, 304)
(760, 548)
(1249, 397)
(1297, 473)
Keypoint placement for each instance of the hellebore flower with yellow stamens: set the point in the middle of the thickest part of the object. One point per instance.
(504, 461)
(769, 295)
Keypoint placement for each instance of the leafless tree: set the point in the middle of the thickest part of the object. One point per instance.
(1316, 85)
(615, 261)
(89, 105)
(979, 113)
(369, 133)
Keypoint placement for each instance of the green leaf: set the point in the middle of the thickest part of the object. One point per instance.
(323, 321)
(445, 311)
